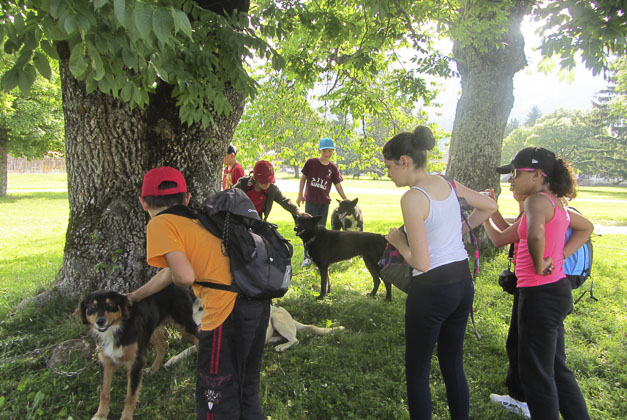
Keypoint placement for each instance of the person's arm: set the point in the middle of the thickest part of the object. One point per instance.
(537, 208)
(483, 206)
(241, 183)
(182, 271)
(285, 202)
(496, 217)
(501, 237)
(236, 173)
(301, 188)
(582, 229)
(158, 282)
(340, 190)
(414, 248)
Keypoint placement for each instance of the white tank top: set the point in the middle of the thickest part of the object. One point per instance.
(444, 231)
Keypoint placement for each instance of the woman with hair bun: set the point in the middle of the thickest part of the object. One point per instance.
(545, 297)
(441, 292)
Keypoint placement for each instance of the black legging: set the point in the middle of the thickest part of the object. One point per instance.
(436, 310)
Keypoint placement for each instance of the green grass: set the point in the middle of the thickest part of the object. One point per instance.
(354, 374)
(36, 181)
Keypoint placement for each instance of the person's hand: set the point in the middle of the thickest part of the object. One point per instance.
(396, 237)
(300, 199)
(131, 297)
(490, 193)
(546, 266)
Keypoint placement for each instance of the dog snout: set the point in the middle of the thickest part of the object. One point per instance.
(101, 321)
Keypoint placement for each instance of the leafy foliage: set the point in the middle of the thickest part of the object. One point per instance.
(608, 120)
(595, 29)
(128, 47)
(353, 50)
(565, 132)
(33, 121)
(281, 123)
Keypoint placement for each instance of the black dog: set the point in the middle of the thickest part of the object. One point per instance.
(329, 246)
(347, 216)
(123, 331)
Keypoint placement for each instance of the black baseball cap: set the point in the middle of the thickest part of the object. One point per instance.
(531, 157)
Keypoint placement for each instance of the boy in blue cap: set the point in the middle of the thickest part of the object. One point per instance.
(318, 174)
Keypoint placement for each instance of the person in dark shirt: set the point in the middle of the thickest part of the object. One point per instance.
(318, 174)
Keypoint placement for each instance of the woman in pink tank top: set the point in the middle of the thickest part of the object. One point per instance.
(545, 297)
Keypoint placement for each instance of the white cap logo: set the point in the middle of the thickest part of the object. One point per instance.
(534, 161)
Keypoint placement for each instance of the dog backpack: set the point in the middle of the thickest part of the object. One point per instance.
(578, 266)
(260, 257)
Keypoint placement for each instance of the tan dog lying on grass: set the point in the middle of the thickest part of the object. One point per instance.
(283, 326)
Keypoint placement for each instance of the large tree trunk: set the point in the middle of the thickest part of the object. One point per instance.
(109, 148)
(484, 106)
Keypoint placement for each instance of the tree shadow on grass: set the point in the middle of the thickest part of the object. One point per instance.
(15, 197)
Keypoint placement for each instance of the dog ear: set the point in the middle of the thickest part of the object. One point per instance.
(125, 305)
(338, 200)
(316, 219)
(355, 201)
(80, 311)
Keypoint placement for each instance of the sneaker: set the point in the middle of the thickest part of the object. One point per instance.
(511, 404)
(306, 262)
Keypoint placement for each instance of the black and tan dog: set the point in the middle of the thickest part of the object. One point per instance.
(347, 216)
(329, 246)
(123, 332)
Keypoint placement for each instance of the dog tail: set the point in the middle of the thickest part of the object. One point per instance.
(316, 330)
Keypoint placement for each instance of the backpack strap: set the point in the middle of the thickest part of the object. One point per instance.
(473, 237)
(475, 243)
(184, 211)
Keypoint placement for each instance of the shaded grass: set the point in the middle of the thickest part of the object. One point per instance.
(354, 374)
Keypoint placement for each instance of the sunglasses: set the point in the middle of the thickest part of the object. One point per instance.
(515, 172)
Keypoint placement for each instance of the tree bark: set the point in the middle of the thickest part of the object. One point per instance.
(109, 148)
(484, 106)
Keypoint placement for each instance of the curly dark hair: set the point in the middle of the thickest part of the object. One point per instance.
(563, 181)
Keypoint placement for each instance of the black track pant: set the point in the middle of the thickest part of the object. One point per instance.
(550, 387)
(436, 311)
(229, 364)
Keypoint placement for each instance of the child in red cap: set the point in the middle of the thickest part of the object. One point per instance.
(233, 328)
(263, 192)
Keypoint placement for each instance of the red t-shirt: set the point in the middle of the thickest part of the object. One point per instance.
(320, 177)
(259, 199)
(230, 176)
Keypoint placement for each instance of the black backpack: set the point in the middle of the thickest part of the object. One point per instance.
(260, 258)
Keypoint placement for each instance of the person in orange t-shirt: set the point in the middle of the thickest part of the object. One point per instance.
(233, 328)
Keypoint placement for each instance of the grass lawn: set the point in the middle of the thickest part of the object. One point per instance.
(354, 374)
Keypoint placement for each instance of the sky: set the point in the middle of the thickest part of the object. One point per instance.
(531, 87)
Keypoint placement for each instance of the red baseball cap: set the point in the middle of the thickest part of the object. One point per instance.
(264, 172)
(157, 176)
